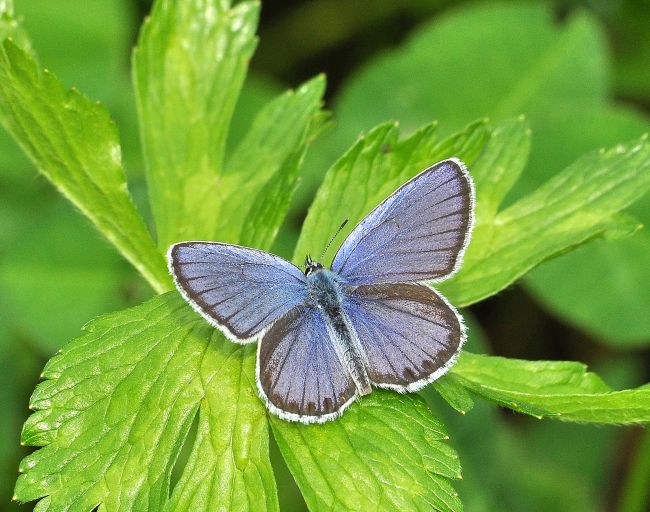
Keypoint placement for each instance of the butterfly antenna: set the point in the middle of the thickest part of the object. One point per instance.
(332, 239)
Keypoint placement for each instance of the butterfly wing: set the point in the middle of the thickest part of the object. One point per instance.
(299, 373)
(238, 290)
(418, 233)
(410, 334)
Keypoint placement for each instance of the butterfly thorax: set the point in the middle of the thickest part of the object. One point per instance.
(324, 289)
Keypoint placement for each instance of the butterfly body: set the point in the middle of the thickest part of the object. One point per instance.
(326, 292)
(372, 319)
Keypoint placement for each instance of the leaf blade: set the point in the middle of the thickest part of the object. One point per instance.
(343, 464)
(570, 209)
(118, 403)
(559, 390)
(84, 164)
(263, 168)
(188, 75)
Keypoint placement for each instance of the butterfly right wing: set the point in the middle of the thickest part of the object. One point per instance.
(418, 233)
(299, 374)
(239, 290)
(409, 333)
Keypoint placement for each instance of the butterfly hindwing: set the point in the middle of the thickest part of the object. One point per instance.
(418, 233)
(298, 370)
(409, 333)
(239, 290)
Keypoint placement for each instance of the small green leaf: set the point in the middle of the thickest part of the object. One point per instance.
(372, 169)
(74, 143)
(263, 168)
(189, 67)
(9, 26)
(500, 166)
(560, 390)
(386, 453)
(118, 404)
(454, 393)
(571, 208)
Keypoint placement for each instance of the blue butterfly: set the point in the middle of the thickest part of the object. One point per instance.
(327, 336)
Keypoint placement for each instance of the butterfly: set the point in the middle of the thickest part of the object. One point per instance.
(328, 335)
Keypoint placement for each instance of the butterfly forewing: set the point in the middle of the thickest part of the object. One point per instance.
(239, 290)
(418, 233)
(299, 372)
(408, 332)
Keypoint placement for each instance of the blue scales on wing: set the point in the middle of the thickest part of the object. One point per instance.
(418, 233)
(299, 371)
(409, 334)
(237, 289)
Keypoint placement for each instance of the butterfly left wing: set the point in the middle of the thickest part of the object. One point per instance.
(418, 233)
(299, 374)
(409, 333)
(239, 290)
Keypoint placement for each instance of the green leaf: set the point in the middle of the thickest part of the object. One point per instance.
(9, 26)
(500, 60)
(264, 167)
(118, 403)
(372, 169)
(189, 67)
(560, 390)
(454, 393)
(84, 164)
(571, 208)
(385, 453)
(619, 310)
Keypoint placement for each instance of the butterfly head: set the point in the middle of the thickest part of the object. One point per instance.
(311, 265)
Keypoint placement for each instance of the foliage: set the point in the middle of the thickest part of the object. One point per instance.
(118, 403)
(465, 65)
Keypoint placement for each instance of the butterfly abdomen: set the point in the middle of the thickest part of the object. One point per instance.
(325, 293)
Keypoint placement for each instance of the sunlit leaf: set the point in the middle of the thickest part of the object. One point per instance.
(560, 390)
(189, 67)
(74, 143)
(118, 403)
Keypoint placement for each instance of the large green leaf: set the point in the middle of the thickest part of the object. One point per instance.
(118, 403)
(560, 390)
(501, 60)
(345, 464)
(74, 143)
(385, 453)
(189, 67)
